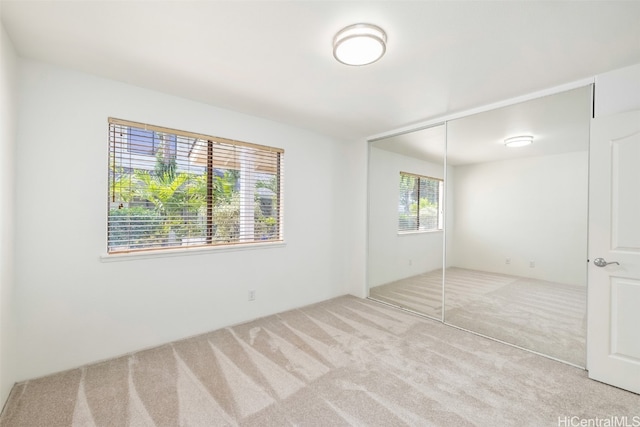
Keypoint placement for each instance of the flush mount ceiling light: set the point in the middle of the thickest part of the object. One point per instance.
(518, 141)
(359, 44)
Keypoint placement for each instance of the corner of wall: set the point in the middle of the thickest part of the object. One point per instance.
(356, 222)
(8, 124)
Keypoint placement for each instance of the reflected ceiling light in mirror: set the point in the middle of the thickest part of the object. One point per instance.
(359, 44)
(518, 141)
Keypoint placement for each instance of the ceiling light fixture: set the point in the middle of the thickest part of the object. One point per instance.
(359, 44)
(518, 141)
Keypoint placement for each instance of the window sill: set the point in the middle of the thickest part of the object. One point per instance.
(413, 233)
(186, 251)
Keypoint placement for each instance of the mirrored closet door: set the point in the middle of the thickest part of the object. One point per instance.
(515, 221)
(405, 250)
(517, 258)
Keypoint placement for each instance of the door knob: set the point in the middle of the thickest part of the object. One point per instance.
(601, 262)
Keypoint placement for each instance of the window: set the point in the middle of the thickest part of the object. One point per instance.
(148, 142)
(420, 203)
(170, 188)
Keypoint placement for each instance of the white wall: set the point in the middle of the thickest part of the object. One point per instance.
(394, 256)
(73, 308)
(618, 91)
(8, 122)
(526, 209)
(449, 215)
(355, 214)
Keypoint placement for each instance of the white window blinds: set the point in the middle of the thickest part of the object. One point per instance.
(171, 188)
(420, 203)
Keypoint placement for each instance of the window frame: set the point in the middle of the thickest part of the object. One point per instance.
(439, 207)
(275, 159)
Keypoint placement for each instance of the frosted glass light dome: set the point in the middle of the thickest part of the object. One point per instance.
(359, 44)
(518, 141)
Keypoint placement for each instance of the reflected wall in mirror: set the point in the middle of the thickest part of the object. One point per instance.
(405, 253)
(517, 258)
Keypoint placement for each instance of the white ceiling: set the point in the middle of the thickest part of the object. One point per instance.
(559, 124)
(425, 144)
(273, 59)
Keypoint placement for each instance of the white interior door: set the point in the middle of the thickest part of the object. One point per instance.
(613, 337)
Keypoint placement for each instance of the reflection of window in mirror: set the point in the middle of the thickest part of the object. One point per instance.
(419, 204)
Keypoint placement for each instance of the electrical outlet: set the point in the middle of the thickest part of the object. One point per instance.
(507, 261)
(252, 295)
(410, 262)
(532, 264)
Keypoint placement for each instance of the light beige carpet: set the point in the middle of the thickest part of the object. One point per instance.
(345, 361)
(538, 315)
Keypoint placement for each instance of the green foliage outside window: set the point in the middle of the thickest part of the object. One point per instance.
(167, 207)
(419, 203)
